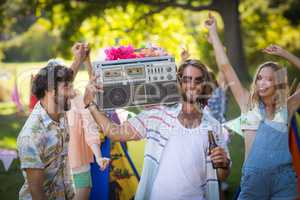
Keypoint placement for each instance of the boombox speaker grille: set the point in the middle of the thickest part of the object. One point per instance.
(118, 96)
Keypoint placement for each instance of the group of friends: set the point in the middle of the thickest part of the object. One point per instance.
(61, 136)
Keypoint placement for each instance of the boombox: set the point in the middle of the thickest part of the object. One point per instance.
(135, 82)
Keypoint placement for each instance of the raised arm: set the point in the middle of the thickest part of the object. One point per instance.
(185, 54)
(278, 51)
(79, 54)
(293, 101)
(221, 80)
(239, 92)
(87, 61)
(124, 132)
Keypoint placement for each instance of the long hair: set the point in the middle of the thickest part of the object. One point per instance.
(281, 85)
(207, 79)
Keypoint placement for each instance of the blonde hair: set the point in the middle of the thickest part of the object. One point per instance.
(281, 86)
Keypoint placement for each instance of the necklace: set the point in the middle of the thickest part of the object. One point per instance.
(190, 120)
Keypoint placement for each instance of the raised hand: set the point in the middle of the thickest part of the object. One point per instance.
(79, 56)
(79, 51)
(90, 91)
(211, 23)
(279, 51)
(275, 50)
(87, 50)
(184, 54)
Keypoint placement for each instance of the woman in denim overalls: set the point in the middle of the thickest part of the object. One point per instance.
(267, 171)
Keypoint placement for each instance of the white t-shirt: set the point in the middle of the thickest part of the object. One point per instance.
(182, 172)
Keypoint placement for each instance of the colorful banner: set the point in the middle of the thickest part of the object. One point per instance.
(294, 143)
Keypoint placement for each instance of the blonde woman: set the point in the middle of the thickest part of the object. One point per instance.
(267, 171)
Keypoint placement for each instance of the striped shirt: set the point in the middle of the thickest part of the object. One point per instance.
(156, 125)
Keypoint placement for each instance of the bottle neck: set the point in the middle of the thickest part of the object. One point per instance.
(211, 139)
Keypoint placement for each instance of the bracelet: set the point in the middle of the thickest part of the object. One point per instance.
(90, 104)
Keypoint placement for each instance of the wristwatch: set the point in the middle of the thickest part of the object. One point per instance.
(90, 104)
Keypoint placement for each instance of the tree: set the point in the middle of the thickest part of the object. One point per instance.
(263, 22)
(77, 12)
(230, 15)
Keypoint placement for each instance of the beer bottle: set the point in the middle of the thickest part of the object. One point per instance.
(212, 145)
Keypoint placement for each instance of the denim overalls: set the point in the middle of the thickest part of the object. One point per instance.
(267, 172)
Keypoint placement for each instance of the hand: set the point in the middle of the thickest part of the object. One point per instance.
(87, 51)
(90, 91)
(79, 51)
(218, 155)
(211, 24)
(184, 54)
(103, 162)
(274, 50)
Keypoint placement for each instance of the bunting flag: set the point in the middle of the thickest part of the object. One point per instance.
(294, 143)
(7, 157)
(234, 125)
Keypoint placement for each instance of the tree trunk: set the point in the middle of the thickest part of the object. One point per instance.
(232, 36)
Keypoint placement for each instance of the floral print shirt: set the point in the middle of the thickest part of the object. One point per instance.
(43, 144)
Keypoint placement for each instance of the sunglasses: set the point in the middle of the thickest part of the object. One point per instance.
(189, 79)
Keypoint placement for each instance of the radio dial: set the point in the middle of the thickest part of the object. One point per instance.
(169, 69)
(169, 77)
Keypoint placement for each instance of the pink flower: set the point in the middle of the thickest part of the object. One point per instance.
(122, 52)
(128, 52)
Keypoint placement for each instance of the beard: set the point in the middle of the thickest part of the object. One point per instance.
(190, 98)
(187, 99)
(63, 104)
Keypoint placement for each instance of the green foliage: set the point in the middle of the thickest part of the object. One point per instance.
(103, 22)
(125, 26)
(37, 44)
(11, 181)
(107, 23)
(264, 23)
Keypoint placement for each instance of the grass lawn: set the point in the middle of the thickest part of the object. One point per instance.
(10, 126)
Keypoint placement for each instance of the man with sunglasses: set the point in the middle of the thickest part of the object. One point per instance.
(176, 164)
